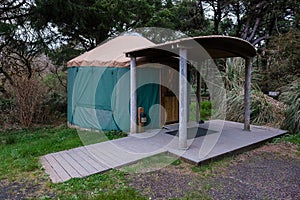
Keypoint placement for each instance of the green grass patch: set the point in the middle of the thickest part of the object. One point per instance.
(20, 149)
(209, 167)
(93, 137)
(19, 158)
(292, 138)
(151, 163)
(109, 185)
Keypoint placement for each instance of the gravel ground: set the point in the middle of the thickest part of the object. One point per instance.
(269, 172)
(262, 176)
(23, 189)
(170, 182)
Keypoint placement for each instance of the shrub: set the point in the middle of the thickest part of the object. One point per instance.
(291, 96)
(205, 109)
(7, 110)
(56, 100)
(264, 110)
(29, 97)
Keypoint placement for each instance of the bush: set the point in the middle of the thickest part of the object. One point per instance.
(29, 97)
(264, 110)
(291, 96)
(205, 109)
(7, 110)
(283, 57)
(56, 99)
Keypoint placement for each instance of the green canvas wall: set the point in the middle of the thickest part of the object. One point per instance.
(98, 97)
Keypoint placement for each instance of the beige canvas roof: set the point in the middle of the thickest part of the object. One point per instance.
(111, 53)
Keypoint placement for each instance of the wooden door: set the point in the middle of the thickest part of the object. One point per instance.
(171, 105)
(170, 114)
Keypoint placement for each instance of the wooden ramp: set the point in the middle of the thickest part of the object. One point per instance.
(100, 157)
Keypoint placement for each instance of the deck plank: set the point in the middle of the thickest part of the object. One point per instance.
(105, 157)
(91, 160)
(67, 166)
(86, 165)
(117, 152)
(55, 178)
(63, 175)
(81, 170)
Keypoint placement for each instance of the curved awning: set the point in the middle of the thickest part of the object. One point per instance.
(215, 46)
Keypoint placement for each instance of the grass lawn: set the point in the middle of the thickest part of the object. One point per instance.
(21, 149)
(19, 163)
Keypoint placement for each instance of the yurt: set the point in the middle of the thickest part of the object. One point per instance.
(99, 86)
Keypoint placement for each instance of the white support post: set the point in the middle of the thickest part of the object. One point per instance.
(133, 96)
(247, 94)
(183, 99)
(198, 94)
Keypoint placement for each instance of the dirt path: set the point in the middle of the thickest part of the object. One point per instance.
(269, 172)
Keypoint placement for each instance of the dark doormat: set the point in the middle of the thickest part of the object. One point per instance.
(193, 132)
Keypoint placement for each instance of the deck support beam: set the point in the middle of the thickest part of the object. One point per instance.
(183, 98)
(133, 96)
(247, 94)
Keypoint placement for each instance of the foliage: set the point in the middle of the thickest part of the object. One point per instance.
(233, 74)
(205, 110)
(88, 23)
(291, 96)
(11, 15)
(283, 60)
(111, 135)
(261, 22)
(55, 102)
(292, 138)
(20, 45)
(7, 111)
(263, 109)
(38, 100)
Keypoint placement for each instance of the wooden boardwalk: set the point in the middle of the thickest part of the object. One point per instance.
(100, 157)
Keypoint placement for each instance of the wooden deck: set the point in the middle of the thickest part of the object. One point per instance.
(100, 157)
